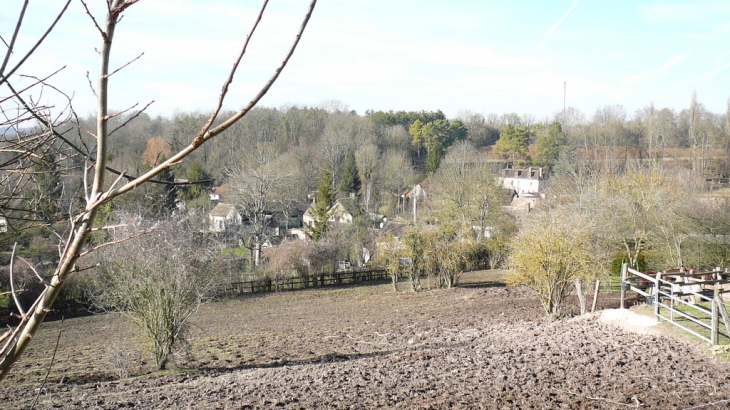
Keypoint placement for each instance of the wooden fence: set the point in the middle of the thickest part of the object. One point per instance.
(78, 307)
(61, 308)
(687, 300)
(298, 282)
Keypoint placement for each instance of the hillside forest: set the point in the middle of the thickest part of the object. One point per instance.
(379, 156)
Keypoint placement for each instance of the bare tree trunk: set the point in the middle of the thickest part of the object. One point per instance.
(257, 254)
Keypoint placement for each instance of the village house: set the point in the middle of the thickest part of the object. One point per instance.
(409, 199)
(223, 217)
(343, 211)
(527, 182)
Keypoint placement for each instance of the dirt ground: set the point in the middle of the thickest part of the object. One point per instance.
(478, 346)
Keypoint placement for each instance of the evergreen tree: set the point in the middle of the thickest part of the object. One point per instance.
(169, 192)
(548, 147)
(324, 200)
(416, 132)
(160, 199)
(513, 141)
(194, 191)
(434, 158)
(350, 182)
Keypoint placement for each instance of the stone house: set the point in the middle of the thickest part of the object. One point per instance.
(223, 217)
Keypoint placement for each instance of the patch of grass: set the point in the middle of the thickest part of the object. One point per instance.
(718, 193)
(703, 315)
(238, 251)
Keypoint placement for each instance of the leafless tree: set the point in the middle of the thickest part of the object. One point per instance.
(258, 186)
(97, 191)
(158, 280)
(368, 158)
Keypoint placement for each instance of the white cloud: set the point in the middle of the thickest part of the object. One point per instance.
(552, 29)
(705, 77)
(661, 12)
(673, 62)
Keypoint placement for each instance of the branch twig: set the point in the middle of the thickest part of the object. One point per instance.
(53, 359)
(12, 282)
(229, 80)
(128, 63)
(4, 77)
(103, 34)
(103, 245)
(34, 270)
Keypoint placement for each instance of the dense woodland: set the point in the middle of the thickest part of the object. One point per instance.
(396, 149)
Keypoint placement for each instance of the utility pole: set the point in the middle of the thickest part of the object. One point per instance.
(565, 87)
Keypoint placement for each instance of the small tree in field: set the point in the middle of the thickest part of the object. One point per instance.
(292, 257)
(447, 254)
(414, 245)
(388, 255)
(158, 280)
(549, 253)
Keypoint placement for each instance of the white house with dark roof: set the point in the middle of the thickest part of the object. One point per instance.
(525, 181)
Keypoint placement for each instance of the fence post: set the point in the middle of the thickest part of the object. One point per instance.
(657, 298)
(624, 273)
(595, 295)
(714, 336)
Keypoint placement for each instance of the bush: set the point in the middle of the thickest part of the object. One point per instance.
(158, 280)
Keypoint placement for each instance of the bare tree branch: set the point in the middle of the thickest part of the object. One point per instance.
(229, 80)
(31, 85)
(50, 365)
(91, 85)
(128, 63)
(4, 77)
(12, 283)
(103, 34)
(202, 137)
(12, 40)
(109, 117)
(33, 269)
(127, 121)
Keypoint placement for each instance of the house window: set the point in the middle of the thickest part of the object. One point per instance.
(221, 225)
(519, 173)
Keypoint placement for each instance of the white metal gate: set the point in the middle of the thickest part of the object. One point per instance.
(701, 299)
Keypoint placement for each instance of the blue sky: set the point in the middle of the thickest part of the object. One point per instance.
(485, 56)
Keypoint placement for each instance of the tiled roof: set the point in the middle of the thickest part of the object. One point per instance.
(221, 210)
